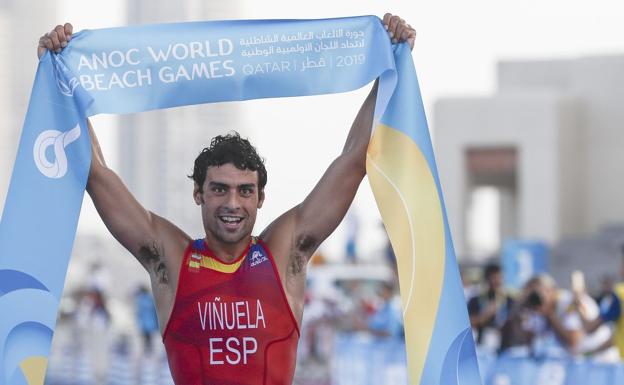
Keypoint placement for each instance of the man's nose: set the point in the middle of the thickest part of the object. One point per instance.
(233, 200)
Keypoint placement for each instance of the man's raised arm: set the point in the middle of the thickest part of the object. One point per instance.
(147, 236)
(297, 233)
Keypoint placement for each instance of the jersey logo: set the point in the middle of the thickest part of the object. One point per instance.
(257, 258)
(194, 262)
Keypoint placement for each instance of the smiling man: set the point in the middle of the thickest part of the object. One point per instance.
(230, 304)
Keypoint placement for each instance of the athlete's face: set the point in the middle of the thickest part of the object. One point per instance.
(229, 202)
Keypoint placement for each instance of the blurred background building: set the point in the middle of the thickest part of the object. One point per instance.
(157, 150)
(538, 160)
(16, 76)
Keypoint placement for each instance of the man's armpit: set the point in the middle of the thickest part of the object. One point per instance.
(297, 263)
(303, 250)
(152, 258)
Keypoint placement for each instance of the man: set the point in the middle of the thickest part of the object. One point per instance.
(545, 321)
(557, 328)
(611, 312)
(229, 305)
(146, 317)
(488, 311)
(386, 321)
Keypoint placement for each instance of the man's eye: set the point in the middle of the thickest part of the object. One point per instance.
(246, 191)
(218, 190)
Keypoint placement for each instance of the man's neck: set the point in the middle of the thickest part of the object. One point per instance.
(227, 252)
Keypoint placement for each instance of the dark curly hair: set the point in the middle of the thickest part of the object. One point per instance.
(230, 148)
(491, 269)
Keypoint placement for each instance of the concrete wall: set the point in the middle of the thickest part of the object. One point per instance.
(534, 124)
(566, 118)
(598, 84)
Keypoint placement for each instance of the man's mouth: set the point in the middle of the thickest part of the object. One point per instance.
(230, 221)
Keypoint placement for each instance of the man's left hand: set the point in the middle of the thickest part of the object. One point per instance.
(398, 30)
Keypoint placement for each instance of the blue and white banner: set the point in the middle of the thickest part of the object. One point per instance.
(133, 69)
(523, 260)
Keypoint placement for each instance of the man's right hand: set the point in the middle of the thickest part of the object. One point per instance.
(55, 40)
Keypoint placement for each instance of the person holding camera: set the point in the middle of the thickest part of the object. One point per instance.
(545, 322)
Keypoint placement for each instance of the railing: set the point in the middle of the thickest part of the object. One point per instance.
(365, 360)
(357, 359)
(527, 371)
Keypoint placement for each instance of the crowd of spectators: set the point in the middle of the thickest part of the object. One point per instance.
(543, 320)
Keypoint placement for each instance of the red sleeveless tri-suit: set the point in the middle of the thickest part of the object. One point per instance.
(231, 323)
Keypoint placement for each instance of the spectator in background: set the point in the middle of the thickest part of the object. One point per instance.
(99, 278)
(546, 321)
(611, 312)
(469, 284)
(147, 318)
(489, 309)
(386, 321)
(517, 333)
(353, 228)
(558, 329)
(92, 313)
(607, 284)
(92, 320)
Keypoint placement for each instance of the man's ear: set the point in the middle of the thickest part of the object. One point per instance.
(260, 198)
(197, 195)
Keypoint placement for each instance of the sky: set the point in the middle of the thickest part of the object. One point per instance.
(457, 47)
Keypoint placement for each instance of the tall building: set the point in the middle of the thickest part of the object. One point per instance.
(6, 140)
(549, 142)
(20, 29)
(157, 148)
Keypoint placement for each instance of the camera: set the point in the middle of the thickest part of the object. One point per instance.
(533, 300)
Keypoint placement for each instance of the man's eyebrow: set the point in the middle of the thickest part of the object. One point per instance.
(218, 184)
(247, 185)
